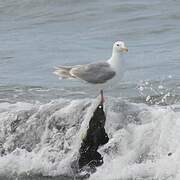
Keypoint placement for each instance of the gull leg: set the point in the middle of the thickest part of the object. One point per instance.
(102, 97)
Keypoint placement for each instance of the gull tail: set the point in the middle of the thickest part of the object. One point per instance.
(63, 72)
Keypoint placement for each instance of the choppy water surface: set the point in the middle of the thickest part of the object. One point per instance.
(142, 110)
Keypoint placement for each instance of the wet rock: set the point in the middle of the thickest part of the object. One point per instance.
(96, 136)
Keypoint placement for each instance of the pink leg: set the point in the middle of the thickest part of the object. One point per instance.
(102, 97)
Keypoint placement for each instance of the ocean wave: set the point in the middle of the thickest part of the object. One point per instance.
(44, 138)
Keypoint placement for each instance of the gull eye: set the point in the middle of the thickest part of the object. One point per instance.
(117, 44)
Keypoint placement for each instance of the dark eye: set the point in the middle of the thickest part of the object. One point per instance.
(117, 44)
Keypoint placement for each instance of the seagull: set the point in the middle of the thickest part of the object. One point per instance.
(100, 74)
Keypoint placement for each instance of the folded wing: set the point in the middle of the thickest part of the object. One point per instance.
(95, 73)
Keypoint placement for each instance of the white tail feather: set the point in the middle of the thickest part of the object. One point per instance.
(63, 72)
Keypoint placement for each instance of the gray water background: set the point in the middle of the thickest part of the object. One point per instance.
(36, 35)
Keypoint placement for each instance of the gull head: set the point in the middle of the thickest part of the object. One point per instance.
(119, 47)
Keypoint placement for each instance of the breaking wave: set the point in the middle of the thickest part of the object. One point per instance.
(44, 138)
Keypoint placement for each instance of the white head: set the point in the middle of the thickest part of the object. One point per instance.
(119, 47)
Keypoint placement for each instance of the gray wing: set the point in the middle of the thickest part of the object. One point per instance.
(93, 73)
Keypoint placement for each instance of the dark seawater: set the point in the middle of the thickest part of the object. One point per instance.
(43, 119)
(38, 35)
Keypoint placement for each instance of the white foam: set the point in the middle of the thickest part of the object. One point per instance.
(147, 147)
(45, 138)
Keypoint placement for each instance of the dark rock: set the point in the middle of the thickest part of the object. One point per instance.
(95, 137)
(169, 154)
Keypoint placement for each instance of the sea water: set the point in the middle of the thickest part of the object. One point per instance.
(42, 118)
